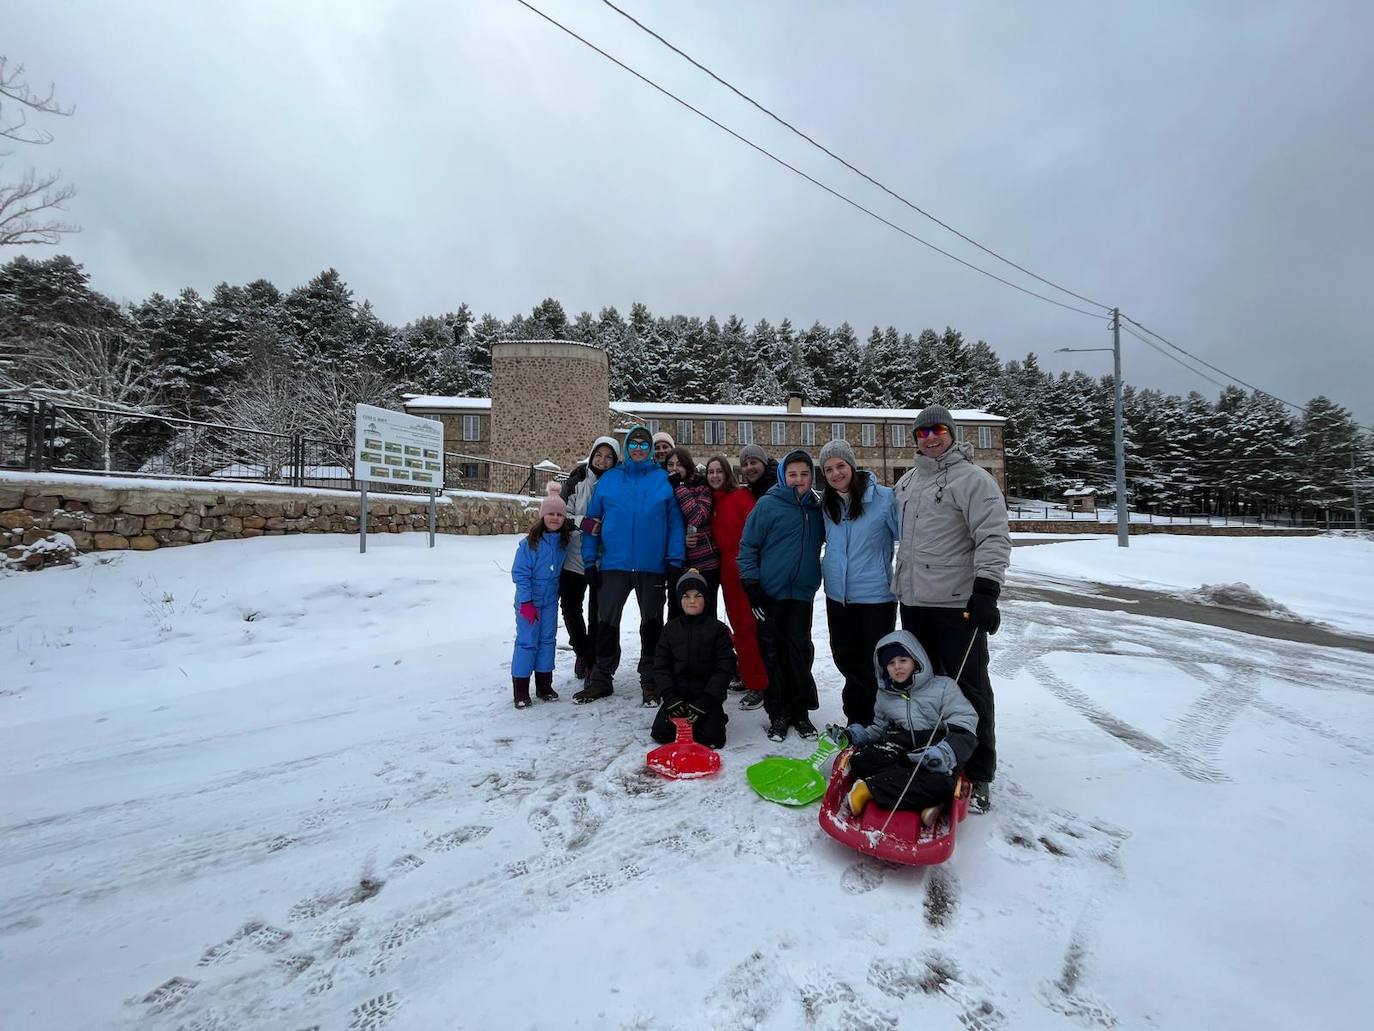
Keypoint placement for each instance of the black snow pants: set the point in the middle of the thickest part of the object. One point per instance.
(785, 641)
(616, 586)
(709, 729)
(572, 588)
(855, 630)
(944, 634)
(886, 770)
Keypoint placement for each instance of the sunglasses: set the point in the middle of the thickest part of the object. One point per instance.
(638, 445)
(930, 431)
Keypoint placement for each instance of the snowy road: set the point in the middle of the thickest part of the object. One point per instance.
(274, 784)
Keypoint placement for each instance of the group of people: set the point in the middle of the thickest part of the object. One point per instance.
(649, 521)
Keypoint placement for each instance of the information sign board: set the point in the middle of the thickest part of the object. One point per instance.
(398, 449)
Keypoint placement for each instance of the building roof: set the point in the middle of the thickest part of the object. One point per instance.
(652, 409)
(1080, 492)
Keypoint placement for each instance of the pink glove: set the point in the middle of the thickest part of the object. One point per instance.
(529, 612)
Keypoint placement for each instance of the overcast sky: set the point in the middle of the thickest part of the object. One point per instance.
(1206, 166)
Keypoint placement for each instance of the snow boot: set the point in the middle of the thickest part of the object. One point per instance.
(737, 685)
(806, 730)
(751, 700)
(777, 728)
(543, 686)
(930, 815)
(591, 693)
(859, 797)
(522, 691)
(650, 695)
(979, 800)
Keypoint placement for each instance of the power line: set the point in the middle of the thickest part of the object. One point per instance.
(1173, 358)
(857, 171)
(797, 171)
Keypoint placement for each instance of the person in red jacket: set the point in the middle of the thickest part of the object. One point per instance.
(732, 507)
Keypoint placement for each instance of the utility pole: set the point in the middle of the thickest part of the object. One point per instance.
(1123, 516)
(1355, 486)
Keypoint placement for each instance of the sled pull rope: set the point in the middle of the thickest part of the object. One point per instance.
(938, 720)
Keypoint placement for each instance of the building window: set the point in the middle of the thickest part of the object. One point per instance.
(837, 431)
(472, 427)
(809, 434)
(958, 433)
(651, 425)
(684, 431)
(985, 437)
(899, 436)
(779, 432)
(746, 433)
(715, 431)
(470, 471)
(868, 435)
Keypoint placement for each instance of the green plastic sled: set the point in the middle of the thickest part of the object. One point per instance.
(792, 781)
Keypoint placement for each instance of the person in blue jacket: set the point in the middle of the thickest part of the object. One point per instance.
(536, 569)
(631, 535)
(861, 532)
(780, 566)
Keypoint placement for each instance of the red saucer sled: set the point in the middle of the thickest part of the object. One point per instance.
(684, 759)
(905, 840)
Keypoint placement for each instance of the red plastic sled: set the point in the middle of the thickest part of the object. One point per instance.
(684, 759)
(905, 840)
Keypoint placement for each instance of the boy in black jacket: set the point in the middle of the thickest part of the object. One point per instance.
(693, 667)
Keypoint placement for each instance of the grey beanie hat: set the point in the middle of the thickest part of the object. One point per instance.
(690, 581)
(934, 415)
(752, 451)
(838, 449)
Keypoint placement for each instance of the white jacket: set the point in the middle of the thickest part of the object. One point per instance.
(953, 528)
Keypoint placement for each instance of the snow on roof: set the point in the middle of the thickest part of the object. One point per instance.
(434, 402)
(651, 409)
(1079, 492)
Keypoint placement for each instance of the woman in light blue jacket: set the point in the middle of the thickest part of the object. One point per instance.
(861, 531)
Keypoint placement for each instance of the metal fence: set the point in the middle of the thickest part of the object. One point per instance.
(1326, 520)
(43, 436)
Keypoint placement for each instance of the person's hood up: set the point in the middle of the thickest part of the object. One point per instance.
(611, 443)
(629, 464)
(792, 456)
(922, 674)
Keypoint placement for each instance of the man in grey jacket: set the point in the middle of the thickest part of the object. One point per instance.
(951, 562)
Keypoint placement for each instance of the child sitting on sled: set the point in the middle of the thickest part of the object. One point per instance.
(693, 667)
(921, 723)
(538, 564)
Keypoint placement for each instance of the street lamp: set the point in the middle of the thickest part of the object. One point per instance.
(1123, 517)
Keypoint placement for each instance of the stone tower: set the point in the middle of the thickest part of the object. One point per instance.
(549, 399)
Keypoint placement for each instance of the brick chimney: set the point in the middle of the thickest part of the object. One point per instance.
(794, 402)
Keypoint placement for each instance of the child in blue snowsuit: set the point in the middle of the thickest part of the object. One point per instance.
(538, 563)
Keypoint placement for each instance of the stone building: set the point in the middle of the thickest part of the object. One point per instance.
(550, 402)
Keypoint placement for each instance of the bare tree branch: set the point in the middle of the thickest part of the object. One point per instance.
(16, 90)
(27, 206)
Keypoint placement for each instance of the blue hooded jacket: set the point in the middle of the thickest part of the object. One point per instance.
(781, 546)
(641, 527)
(858, 552)
(536, 569)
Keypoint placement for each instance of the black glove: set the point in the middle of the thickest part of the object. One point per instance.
(691, 713)
(981, 609)
(758, 600)
(593, 574)
(675, 480)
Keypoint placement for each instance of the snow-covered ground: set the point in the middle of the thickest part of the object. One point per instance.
(1326, 579)
(276, 784)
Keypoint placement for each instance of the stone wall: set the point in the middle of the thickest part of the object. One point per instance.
(104, 515)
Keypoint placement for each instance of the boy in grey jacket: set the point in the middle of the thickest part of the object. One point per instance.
(921, 723)
(951, 562)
